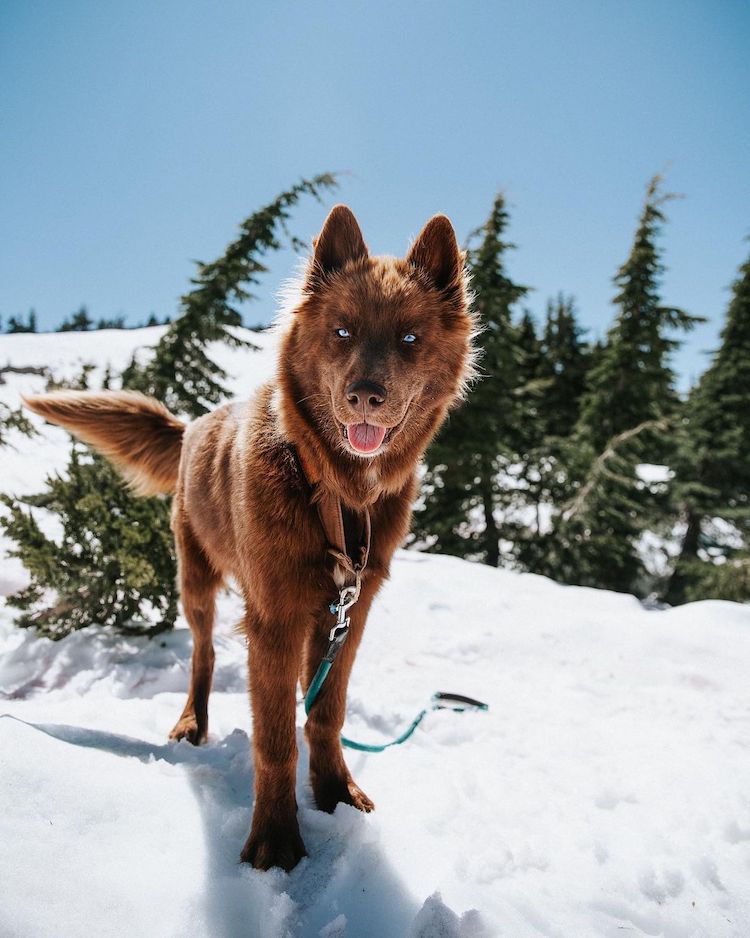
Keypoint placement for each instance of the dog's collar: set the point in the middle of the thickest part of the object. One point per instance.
(347, 532)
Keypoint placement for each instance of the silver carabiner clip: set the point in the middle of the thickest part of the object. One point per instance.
(347, 598)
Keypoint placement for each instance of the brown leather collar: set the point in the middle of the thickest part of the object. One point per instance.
(348, 532)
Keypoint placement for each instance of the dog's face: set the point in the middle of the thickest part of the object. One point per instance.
(380, 346)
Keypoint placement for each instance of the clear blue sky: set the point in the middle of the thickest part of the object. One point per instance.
(136, 135)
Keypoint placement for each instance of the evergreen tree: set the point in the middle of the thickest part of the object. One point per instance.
(181, 373)
(117, 323)
(80, 321)
(10, 420)
(462, 493)
(522, 481)
(17, 324)
(625, 409)
(713, 467)
(114, 563)
(593, 537)
(530, 348)
(554, 399)
(564, 363)
(632, 382)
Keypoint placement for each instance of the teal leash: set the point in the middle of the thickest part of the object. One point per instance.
(317, 683)
(337, 636)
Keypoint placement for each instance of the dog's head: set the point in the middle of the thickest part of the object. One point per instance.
(378, 348)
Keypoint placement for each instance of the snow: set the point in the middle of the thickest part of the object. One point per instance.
(652, 474)
(605, 792)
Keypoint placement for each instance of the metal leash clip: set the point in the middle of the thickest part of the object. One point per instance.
(338, 634)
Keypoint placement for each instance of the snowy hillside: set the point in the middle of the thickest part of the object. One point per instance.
(604, 793)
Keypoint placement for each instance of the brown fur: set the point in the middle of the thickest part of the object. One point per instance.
(136, 432)
(242, 503)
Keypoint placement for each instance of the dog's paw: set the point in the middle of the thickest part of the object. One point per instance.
(272, 845)
(335, 789)
(359, 799)
(187, 727)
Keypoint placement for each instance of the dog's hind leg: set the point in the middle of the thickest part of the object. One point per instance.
(330, 778)
(199, 583)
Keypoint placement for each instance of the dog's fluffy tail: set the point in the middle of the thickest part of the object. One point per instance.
(137, 433)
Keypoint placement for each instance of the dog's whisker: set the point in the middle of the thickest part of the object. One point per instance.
(309, 397)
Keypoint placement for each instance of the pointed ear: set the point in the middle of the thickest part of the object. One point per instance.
(436, 252)
(339, 242)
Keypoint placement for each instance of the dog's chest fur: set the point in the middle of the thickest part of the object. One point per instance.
(242, 486)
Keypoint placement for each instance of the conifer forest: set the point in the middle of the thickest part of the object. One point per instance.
(577, 460)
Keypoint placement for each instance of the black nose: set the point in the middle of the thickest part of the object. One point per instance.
(365, 393)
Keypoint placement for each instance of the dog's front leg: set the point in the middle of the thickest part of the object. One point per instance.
(274, 659)
(330, 778)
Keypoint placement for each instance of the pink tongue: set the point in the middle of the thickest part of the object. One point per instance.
(364, 437)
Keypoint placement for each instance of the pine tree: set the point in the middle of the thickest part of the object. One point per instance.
(632, 381)
(530, 347)
(593, 541)
(462, 493)
(525, 482)
(80, 321)
(115, 564)
(625, 409)
(564, 364)
(713, 467)
(181, 373)
(10, 420)
(118, 322)
(554, 397)
(17, 324)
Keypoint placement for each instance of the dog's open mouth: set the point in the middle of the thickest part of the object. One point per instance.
(365, 438)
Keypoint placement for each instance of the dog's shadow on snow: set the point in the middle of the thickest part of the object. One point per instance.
(346, 873)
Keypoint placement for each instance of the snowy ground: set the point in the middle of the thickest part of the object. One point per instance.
(605, 793)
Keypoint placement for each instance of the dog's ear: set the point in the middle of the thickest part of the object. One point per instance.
(339, 242)
(436, 252)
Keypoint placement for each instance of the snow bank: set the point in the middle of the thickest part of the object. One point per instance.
(605, 789)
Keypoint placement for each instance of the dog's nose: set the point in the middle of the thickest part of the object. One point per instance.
(365, 394)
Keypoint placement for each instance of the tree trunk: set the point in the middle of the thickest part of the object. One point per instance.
(491, 532)
(676, 588)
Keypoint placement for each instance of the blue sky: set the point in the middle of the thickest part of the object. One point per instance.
(135, 136)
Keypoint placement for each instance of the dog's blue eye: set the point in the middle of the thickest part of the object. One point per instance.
(343, 333)
(409, 338)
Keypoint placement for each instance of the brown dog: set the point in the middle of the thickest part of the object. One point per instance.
(374, 353)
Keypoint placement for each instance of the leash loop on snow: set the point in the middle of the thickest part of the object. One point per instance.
(442, 700)
(348, 535)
